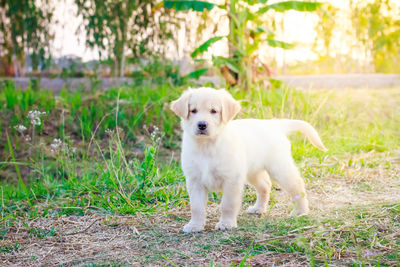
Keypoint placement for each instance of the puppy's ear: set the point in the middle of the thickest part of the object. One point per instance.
(230, 107)
(181, 106)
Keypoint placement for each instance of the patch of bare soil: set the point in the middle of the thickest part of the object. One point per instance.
(155, 240)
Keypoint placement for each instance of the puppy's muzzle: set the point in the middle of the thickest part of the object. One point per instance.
(202, 128)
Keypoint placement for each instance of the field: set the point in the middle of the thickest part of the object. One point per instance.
(94, 179)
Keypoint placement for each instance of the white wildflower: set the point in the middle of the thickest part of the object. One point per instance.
(56, 145)
(20, 128)
(109, 132)
(59, 146)
(34, 116)
(27, 138)
(156, 135)
(155, 132)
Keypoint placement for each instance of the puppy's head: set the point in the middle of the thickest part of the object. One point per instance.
(205, 111)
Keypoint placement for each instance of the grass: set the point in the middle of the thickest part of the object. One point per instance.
(113, 181)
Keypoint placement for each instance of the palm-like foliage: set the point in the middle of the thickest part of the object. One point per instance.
(244, 39)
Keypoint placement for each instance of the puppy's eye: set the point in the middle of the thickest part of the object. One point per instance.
(213, 111)
(194, 111)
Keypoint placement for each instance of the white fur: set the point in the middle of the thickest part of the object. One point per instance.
(233, 152)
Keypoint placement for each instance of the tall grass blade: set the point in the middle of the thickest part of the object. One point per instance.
(20, 181)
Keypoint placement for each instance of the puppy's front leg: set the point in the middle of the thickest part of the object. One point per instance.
(230, 204)
(198, 203)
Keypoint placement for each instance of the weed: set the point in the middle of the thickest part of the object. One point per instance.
(10, 248)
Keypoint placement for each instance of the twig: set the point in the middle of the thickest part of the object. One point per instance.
(47, 254)
(302, 228)
(61, 208)
(392, 235)
(135, 230)
(68, 221)
(354, 236)
(287, 236)
(277, 238)
(84, 230)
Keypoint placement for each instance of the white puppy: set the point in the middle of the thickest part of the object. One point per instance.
(219, 154)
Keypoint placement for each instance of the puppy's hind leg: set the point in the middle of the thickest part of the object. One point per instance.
(262, 183)
(288, 177)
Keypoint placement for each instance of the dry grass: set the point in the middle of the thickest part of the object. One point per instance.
(341, 210)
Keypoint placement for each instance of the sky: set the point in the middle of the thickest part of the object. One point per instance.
(67, 41)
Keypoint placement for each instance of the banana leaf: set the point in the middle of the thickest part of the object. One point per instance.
(276, 43)
(224, 61)
(197, 73)
(204, 46)
(290, 5)
(187, 5)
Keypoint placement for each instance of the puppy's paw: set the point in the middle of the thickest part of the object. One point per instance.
(225, 225)
(193, 228)
(256, 210)
(298, 213)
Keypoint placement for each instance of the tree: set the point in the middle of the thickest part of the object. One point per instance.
(325, 27)
(25, 32)
(377, 29)
(247, 30)
(115, 27)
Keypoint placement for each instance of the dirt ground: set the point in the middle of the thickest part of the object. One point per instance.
(97, 238)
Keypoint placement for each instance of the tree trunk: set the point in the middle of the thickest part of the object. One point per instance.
(122, 70)
(231, 29)
(15, 63)
(116, 66)
(122, 63)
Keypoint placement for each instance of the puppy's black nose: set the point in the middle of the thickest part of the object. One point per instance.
(202, 125)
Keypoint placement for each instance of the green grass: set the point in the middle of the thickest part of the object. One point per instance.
(118, 154)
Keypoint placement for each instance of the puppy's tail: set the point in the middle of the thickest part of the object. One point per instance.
(306, 129)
